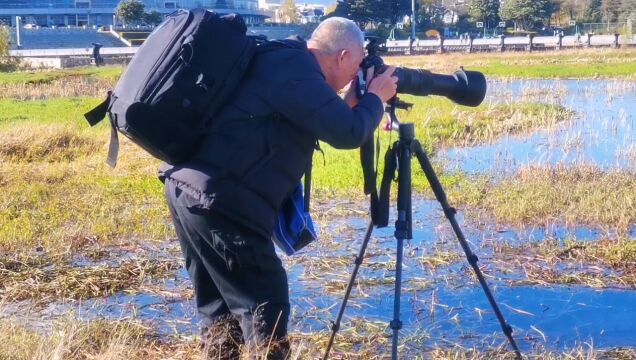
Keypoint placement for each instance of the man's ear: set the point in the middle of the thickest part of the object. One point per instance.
(343, 55)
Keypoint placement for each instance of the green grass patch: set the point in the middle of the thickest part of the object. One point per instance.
(51, 111)
(562, 71)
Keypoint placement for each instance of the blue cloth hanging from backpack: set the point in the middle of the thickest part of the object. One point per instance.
(294, 227)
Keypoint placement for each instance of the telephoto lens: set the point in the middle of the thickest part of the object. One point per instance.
(463, 87)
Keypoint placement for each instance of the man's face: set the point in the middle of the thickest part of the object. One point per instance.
(346, 67)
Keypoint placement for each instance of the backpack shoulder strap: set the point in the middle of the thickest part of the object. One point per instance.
(98, 113)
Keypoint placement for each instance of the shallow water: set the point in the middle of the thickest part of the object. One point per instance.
(603, 132)
(444, 305)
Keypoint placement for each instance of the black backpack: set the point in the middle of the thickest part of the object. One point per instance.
(178, 79)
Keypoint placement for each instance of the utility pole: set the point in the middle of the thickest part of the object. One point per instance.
(17, 31)
(412, 27)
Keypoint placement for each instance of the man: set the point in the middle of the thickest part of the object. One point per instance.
(224, 202)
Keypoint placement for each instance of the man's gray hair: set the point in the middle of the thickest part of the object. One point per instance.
(337, 33)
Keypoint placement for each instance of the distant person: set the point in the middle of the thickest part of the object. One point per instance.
(97, 57)
(225, 201)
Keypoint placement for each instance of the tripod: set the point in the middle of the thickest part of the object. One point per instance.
(400, 155)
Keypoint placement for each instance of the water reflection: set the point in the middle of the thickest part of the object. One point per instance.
(440, 302)
(602, 134)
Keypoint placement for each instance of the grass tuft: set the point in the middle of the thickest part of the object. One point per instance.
(52, 143)
(583, 195)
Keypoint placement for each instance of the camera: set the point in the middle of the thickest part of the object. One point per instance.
(463, 87)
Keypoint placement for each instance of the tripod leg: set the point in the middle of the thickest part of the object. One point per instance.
(472, 258)
(403, 230)
(336, 325)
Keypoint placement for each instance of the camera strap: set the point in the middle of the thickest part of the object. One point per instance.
(307, 186)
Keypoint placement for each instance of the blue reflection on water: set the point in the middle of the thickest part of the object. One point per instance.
(603, 133)
(445, 303)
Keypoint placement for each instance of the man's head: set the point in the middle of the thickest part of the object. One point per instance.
(338, 45)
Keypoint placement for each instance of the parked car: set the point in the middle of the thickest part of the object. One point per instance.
(30, 26)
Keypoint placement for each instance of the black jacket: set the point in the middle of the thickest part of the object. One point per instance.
(262, 142)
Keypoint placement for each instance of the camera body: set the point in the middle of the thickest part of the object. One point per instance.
(462, 87)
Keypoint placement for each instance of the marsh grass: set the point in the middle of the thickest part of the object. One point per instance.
(111, 73)
(600, 264)
(61, 281)
(537, 195)
(30, 143)
(69, 87)
(437, 122)
(58, 196)
(585, 63)
(57, 189)
(71, 339)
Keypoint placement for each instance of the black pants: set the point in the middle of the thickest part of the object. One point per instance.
(239, 282)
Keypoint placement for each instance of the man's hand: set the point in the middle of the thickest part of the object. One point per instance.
(351, 93)
(384, 85)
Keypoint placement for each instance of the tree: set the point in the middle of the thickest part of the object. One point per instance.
(342, 9)
(610, 10)
(525, 13)
(593, 12)
(153, 18)
(627, 11)
(7, 63)
(392, 11)
(130, 11)
(4, 42)
(484, 10)
(364, 12)
(573, 9)
(288, 12)
(430, 13)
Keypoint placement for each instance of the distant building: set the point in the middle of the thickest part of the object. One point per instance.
(102, 12)
(311, 13)
(307, 13)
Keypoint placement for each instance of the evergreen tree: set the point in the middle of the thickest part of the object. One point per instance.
(627, 11)
(525, 13)
(365, 12)
(392, 11)
(484, 10)
(153, 18)
(430, 13)
(342, 9)
(610, 10)
(130, 11)
(593, 12)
